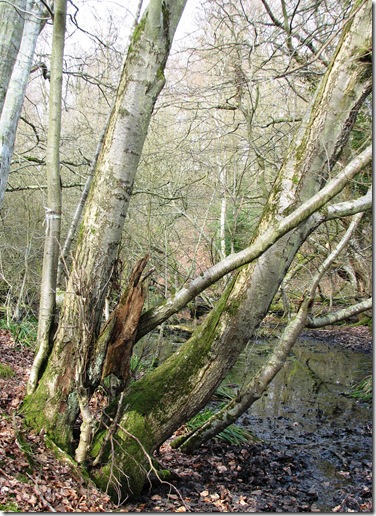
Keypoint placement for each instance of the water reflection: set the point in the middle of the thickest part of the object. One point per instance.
(312, 385)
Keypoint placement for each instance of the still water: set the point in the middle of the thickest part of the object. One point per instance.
(307, 409)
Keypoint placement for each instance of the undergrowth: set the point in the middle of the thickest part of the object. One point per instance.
(363, 389)
(23, 332)
(233, 434)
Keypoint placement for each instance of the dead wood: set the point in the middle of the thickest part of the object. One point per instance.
(124, 323)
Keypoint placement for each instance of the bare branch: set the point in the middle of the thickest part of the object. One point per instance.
(345, 313)
(157, 315)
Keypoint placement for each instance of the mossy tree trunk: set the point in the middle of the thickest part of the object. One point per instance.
(54, 404)
(150, 409)
(159, 403)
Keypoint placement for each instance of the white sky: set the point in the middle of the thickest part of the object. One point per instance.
(93, 15)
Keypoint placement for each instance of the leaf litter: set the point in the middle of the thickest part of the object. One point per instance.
(218, 477)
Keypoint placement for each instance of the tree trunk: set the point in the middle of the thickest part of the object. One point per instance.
(159, 403)
(254, 389)
(154, 406)
(11, 27)
(15, 94)
(142, 79)
(47, 301)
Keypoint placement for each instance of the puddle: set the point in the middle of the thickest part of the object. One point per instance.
(306, 408)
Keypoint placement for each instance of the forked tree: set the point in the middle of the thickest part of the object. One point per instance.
(117, 450)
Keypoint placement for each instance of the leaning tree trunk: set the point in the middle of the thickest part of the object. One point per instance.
(254, 389)
(158, 403)
(55, 405)
(11, 27)
(17, 83)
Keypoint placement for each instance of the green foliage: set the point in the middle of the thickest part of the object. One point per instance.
(224, 392)
(6, 371)
(24, 332)
(233, 434)
(363, 389)
(9, 507)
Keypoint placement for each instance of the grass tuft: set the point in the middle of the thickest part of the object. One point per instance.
(6, 371)
(233, 434)
(23, 332)
(363, 389)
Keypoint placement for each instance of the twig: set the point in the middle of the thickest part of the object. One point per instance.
(111, 429)
(38, 491)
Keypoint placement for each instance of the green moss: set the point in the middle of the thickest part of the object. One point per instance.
(160, 73)
(137, 33)
(124, 472)
(164, 474)
(97, 443)
(178, 371)
(6, 371)
(33, 412)
(9, 507)
(22, 478)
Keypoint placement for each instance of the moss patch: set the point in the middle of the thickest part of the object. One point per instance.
(6, 371)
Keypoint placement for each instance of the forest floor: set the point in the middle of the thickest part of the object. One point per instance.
(216, 478)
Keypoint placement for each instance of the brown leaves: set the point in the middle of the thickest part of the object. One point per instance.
(217, 478)
(31, 478)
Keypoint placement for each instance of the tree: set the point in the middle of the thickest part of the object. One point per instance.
(143, 414)
(16, 76)
(47, 301)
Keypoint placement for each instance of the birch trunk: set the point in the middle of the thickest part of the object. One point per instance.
(47, 301)
(100, 234)
(15, 94)
(11, 27)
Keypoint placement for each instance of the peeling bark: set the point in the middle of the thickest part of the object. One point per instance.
(124, 323)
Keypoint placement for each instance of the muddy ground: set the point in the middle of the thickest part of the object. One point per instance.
(258, 477)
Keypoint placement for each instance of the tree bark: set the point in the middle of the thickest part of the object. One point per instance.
(345, 313)
(100, 234)
(15, 94)
(254, 389)
(159, 403)
(154, 406)
(11, 27)
(47, 303)
(308, 210)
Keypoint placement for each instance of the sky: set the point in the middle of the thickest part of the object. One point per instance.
(92, 16)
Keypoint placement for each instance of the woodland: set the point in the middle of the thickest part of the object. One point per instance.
(181, 168)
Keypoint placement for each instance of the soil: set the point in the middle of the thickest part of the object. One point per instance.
(259, 477)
